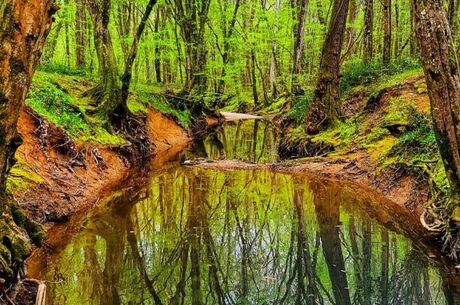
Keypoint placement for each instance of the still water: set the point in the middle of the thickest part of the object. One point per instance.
(201, 236)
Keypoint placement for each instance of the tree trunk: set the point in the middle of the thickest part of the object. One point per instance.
(387, 33)
(24, 28)
(126, 78)
(51, 44)
(157, 48)
(80, 31)
(325, 109)
(351, 31)
(327, 212)
(299, 45)
(369, 31)
(440, 64)
(191, 19)
(107, 93)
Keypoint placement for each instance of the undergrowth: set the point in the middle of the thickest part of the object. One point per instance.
(50, 101)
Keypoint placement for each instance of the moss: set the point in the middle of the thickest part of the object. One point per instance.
(57, 99)
(396, 80)
(35, 231)
(136, 106)
(380, 149)
(275, 107)
(376, 134)
(22, 176)
(340, 135)
(398, 112)
(421, 87)
(159, 103)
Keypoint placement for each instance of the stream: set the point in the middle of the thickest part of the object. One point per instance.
(191, 235)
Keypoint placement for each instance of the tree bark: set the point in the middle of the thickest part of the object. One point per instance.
(191, 16)
(299, 45)
(107, 93)
(441, 67)
(369, 31)
(127, 75)
(387, 31)
(23, 30)
(80, 31)
(325, 108)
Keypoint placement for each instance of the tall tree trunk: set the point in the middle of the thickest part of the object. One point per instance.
(80, 32)
(191, 18)
(228, 32)
(24, 27)
(397, 43)
(157, 48)
(51, 44)
(368, 31)
(126, 78)
(441, 67)
(387, 31)
(107, 93)
(299, 45)
(325, 109)
(351, 31)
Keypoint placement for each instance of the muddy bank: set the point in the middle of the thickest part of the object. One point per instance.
(67, 180)
(403, 188)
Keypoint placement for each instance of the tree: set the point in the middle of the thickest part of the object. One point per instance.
(191, 16)
(127, 75)
(325, 108)
(80, 34)
(387, 31)
(107, 92)
(299, 45)
(368, 31)
(24, 28)
(441, 68)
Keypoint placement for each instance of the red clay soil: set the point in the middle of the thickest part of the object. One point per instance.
(68, 188)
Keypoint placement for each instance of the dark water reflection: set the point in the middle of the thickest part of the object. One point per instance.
(247, 140)
(199, 236)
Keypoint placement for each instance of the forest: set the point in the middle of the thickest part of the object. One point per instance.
(230, 152)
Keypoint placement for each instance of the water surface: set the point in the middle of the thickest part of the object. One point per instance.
(202, 236)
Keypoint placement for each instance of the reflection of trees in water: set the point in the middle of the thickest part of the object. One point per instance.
(250, 140)
(246, 237)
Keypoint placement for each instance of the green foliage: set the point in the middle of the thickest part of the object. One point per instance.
(57, 106)
(299, 106)
(357, 73)
(158, 102)
(63, 69)
(50, 101)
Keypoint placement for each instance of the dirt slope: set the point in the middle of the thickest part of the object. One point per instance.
(56, 182)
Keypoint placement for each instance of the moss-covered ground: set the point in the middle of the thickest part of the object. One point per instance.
(58, 98)
(392, 125)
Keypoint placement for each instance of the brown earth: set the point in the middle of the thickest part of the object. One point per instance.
(72, 182)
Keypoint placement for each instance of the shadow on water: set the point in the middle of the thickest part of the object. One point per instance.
(202, 236)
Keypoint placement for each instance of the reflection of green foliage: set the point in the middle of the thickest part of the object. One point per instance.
(215, 214)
